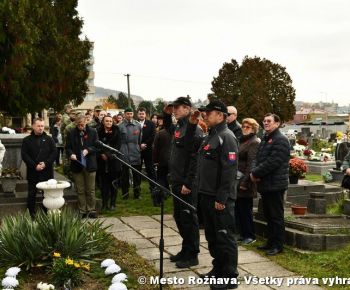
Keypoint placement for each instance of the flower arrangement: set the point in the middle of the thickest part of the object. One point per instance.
(327, 177)
(307, 152)
(67, 269)
(297, 167)
(302, 142)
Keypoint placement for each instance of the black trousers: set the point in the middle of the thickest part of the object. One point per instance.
(146, 157)
(274, 215)
(109, 188)
(58, 156)
(244, 217)
(32, 193)
(136, 178)
(219, 226)
(162, 176)
(187, 223)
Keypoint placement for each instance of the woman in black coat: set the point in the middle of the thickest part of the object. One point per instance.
(248, 148)
(109, 167)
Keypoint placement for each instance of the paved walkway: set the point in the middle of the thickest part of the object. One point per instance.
(144, 233)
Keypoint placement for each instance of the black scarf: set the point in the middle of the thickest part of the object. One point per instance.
(244, 138)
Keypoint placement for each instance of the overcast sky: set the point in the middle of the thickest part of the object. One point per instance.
(174, 48)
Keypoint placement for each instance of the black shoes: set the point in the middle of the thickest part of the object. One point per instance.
(274, 251)
(264, 247)
(177, 257)
(187, 263)
(211, 273)
(248, 241)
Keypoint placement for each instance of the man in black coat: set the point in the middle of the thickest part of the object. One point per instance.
(81, 151)
(232, 122)
(148, 134)
(183, 169)
(270, 172)
(38, 153)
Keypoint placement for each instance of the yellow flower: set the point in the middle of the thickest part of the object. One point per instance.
(76, 265)
(56, 255)
(86, 266)
(69, 261)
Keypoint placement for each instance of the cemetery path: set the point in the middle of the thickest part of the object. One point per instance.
(144, 233)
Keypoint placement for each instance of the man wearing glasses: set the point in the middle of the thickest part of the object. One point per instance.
(270, 172)
(232, 122)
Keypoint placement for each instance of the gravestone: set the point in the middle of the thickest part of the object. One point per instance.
(317, 203)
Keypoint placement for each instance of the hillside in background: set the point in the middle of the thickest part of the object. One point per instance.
(103, 92)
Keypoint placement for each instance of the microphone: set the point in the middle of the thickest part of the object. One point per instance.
(100, 144)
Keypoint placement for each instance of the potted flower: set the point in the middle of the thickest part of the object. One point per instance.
(297, 169)
(9, 177)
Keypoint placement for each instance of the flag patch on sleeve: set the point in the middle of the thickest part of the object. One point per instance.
(232, 157)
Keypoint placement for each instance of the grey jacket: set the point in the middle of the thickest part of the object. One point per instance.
(131, 135)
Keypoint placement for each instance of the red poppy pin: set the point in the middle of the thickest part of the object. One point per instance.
(144, 126)
(177, 134)
(232, 157)
(136, 132)
(270, 141)
(206, 147)
(85, 136)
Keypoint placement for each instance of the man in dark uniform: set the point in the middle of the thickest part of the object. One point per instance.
(182, 167)
(270, 171)
(38, 153)
(217, 170)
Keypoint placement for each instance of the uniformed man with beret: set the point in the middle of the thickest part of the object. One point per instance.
(183, 168)
(217, 170)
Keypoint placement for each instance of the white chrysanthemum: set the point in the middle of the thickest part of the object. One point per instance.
(121, 277)
(12, 272)
(45, 286)
(107, 262)
(112, 269)
(9, 282)
(118, 286)
(52, 182)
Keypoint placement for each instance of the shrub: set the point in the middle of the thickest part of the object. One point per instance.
(30, 244)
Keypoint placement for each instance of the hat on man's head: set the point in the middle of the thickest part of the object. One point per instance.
(182, 101)
(98, 108)
(215, 105)
(128, 109)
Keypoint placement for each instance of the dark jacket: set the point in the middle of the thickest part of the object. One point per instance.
(148, 134)
(161, 148)
(346, 162)
(183, 157)
(36, 149)
(112, 139)
(272, 163)
(247, 152)
(77, 141)
(235, 127)
(218, 163)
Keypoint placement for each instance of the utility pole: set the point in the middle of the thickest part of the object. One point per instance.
(129, 100)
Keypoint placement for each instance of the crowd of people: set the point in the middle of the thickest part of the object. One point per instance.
(204, 155)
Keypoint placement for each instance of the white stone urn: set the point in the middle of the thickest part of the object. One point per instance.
(53, 193)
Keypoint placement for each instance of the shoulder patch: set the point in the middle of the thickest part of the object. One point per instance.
(232, 157)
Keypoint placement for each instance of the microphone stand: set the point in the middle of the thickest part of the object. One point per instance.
(161, 197)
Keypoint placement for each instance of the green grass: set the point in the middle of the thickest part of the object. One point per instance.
(143, 206)
(314, 177)
(314, 265)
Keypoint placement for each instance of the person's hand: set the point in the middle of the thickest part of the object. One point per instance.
(39, 167)
(347, 172)
(73, 157)
(242, 187)
(104, 157)
(42, 164)
(143, 146)
(194, 118)
(168, 109)
(85, 152)
(219, 206)
(253, 178)
(185, 190)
